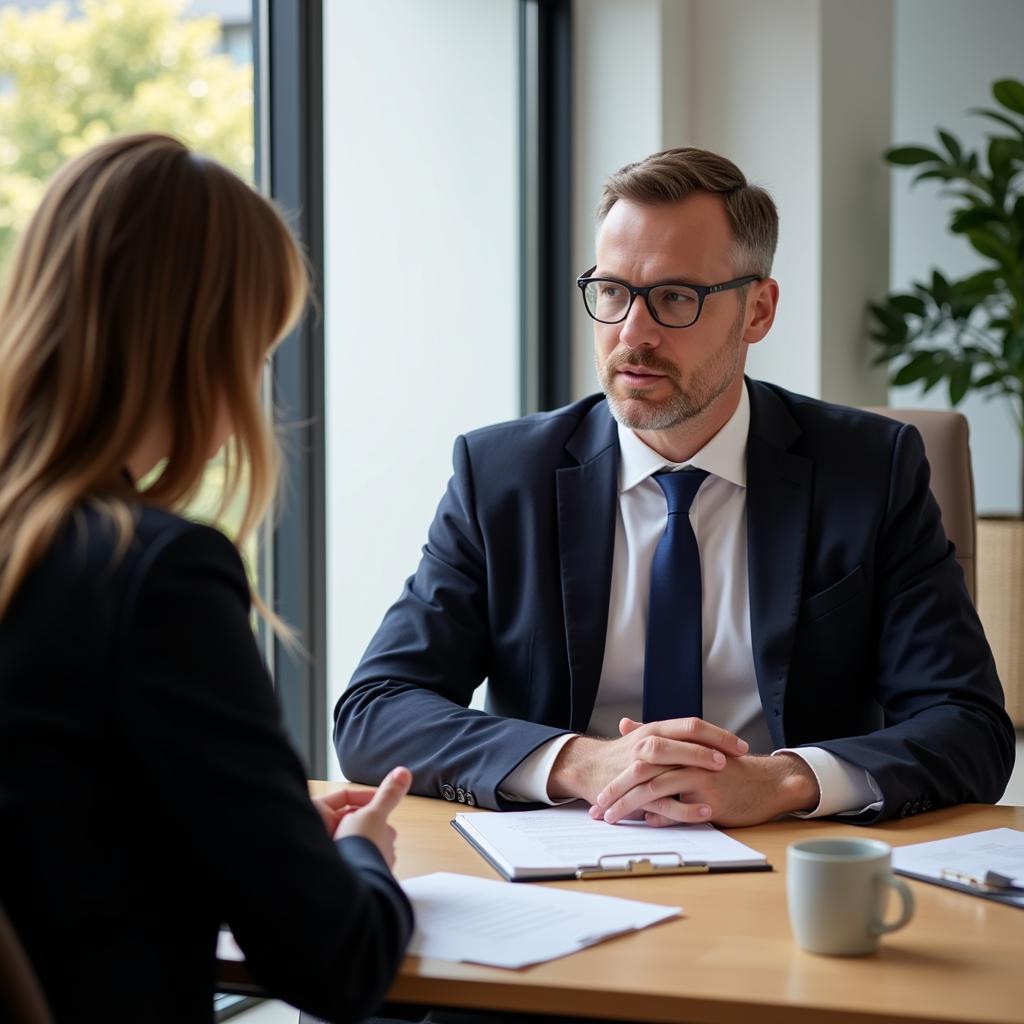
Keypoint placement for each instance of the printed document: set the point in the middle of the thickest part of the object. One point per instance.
(559, 842)
(477, 920)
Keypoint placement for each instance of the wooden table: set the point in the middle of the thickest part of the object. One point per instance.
(731, 957)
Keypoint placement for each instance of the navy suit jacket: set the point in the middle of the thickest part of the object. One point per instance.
(865, 641)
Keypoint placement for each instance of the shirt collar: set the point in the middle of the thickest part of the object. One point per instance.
(725, 455)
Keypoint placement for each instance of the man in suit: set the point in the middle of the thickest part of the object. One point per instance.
(761, 578)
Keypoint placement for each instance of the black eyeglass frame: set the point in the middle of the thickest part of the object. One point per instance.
(702, 290)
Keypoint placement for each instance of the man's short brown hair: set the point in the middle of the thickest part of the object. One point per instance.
(674, 174)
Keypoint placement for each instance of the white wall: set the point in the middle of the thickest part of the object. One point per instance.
(758, 102)
(947, 54)
(422, 339)
(617, 118)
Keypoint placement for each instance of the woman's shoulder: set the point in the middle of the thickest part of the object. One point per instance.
(98, 533)
(157, 529)
(104, 566)
(123, 552)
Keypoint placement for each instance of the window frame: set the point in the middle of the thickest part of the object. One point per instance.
(289, 167)
(545, 188)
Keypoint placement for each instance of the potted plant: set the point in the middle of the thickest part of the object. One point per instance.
(969, 334)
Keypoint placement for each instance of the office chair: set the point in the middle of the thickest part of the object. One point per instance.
(947, 445)
(21, 998)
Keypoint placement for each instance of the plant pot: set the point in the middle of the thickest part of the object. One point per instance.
(1001, 604)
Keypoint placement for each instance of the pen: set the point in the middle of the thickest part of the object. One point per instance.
(998, 881)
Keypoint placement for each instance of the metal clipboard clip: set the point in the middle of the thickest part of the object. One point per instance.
(636, 865)
(992, 882)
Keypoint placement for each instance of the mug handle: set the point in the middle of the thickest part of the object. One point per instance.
(907, 899)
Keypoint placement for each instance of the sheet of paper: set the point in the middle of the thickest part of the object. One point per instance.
(563, 837)
(476, 920)
(972, 855)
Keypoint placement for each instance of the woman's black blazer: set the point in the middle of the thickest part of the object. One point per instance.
(148, 793)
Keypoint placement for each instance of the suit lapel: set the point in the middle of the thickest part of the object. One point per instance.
(586, 495)
(778, 509)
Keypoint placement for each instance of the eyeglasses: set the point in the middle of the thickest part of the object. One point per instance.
(672, 305)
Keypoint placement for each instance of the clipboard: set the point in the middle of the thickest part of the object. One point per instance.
(1012, 896)
(640, 863)
(986, 864)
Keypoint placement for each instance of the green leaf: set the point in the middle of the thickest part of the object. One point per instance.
(959, 383)
(996, 116)
(940, 288)
(989, 380)
(977, 217)
(908, 304)
(918, 366)
(973, 199)
(1010, 94)
(1014, 149)
(982, 284)
(952, 145)
(986, 243)
(891, 321)
(1000, 157)
(940, 174)
(910, 155)
(935, 374)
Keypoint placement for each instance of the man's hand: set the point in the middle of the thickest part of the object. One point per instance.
(371, 821)
(586, 766)
(746, 791)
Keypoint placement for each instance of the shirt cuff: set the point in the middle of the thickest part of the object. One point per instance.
(844, 788)
(528, 781)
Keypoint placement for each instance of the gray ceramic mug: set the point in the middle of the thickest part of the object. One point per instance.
(837, 891)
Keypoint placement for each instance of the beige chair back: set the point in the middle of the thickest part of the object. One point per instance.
(21, 997)
(947, 445)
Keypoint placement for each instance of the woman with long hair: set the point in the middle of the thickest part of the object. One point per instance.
(147, 790)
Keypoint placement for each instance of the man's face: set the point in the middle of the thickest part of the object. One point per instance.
(656, 377)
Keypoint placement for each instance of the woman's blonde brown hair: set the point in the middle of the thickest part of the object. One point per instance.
(149, 287)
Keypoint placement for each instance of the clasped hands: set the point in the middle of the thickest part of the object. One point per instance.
(682, 770)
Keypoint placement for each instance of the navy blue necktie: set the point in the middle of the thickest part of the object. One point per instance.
(672, 662)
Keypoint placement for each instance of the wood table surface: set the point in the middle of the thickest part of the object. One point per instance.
(731, 957)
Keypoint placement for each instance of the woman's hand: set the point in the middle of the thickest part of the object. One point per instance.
(370, 819)
(334, 806)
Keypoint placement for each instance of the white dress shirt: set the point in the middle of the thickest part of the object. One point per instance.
(719, 519)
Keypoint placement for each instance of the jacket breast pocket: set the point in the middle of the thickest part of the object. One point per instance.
(819, 605)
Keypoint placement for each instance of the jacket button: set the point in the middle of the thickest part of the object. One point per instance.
(460, 795)
(904, 810)
(447, 792)
(470, 800)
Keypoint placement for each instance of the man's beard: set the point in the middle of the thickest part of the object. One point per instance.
(632, 408)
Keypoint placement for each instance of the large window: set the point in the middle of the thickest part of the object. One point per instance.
(74, 74)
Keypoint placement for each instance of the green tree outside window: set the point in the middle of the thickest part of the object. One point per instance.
(69, 80)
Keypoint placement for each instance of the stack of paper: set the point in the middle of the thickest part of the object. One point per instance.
(476, 920)
(565, 842)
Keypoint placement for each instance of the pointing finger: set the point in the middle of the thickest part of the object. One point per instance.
(395, 785)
